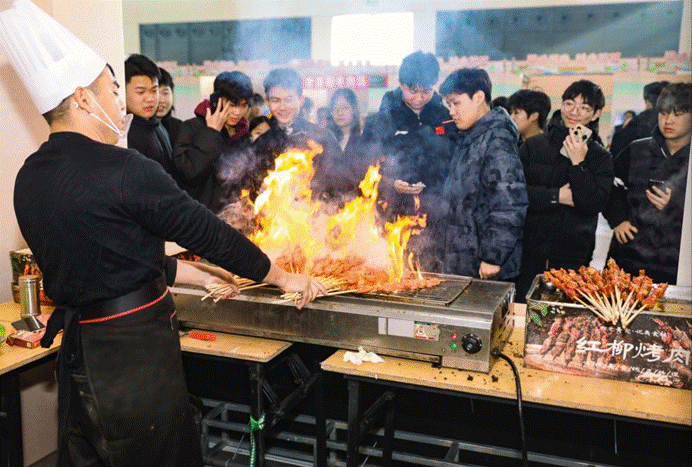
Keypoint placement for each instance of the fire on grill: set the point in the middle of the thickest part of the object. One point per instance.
(349, 248)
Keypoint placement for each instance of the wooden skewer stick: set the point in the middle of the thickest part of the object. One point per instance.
(595, 304)
(593, 309)
(633, 315)
(262, 284)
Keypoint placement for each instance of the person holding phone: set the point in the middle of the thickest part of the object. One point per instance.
(213, 154)
(646, 206)
(569, 175)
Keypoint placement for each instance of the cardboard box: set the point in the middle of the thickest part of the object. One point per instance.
(23, 263)
(568, 338)
(27, 339)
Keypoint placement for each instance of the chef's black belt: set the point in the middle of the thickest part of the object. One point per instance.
(145, 296)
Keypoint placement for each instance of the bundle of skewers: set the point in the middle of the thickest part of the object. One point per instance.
(611, 294)
(334, 286)
(218, 291)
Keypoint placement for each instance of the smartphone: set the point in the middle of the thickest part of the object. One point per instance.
(585, 131)
(214, 101)
(585, 134)
(660, 184)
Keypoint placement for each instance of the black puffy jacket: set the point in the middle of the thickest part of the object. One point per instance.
(557, 231)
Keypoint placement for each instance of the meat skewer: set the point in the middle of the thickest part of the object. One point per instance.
(602, 291)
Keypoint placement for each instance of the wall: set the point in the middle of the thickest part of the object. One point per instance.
(99, 24)
(157, 11)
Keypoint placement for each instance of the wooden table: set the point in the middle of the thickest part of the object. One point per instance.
(14, 360)
(593, 395)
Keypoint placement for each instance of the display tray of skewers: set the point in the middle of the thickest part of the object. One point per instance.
(610, 324)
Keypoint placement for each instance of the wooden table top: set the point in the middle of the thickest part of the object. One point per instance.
(226, 345)
(254, 349)
(13, 357)
(635, 400)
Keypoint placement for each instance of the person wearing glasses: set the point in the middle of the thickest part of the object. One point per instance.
(213, 148)
(569, 175)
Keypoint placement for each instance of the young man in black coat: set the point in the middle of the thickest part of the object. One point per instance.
(147, 135)
(642, 125)
(646, 211)
(213, 155)
(568, 178)
(413, 133)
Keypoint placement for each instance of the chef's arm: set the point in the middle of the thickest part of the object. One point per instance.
(202, 274)
(308, 287)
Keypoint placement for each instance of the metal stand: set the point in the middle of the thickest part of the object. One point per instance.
(359, 426)
(276, 409)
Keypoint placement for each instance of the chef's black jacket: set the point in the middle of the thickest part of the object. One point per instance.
(96, 216)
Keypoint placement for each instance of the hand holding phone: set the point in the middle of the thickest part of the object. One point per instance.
(575, 145)
(660, 184)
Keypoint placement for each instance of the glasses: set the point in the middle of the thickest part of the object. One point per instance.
(582, 109)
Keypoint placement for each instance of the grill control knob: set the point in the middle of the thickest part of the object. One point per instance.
(471, 343)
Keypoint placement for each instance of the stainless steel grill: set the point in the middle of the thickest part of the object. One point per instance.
(456, 323)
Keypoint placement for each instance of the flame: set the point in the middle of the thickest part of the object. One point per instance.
(416, 202)
(356, 223)
(398, 235)
(292, 225)
(284, 208)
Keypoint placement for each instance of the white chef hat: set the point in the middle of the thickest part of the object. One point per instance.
(50, 60)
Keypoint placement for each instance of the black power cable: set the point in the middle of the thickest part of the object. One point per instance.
(524, 453)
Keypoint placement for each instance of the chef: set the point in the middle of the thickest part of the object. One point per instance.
(95, 216)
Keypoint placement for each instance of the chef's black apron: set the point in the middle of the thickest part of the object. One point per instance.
(128, 403)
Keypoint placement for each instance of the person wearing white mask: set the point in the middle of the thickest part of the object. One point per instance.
(95, 216)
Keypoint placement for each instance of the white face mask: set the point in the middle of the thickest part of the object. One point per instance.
(127, 121)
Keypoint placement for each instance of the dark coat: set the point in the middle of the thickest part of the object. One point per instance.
(641, 126)
(485, 198)
(172, 126)
(213, 167)
(416, 148)
(151, 139)
(656, 245)
(333, 177)
(557, 231)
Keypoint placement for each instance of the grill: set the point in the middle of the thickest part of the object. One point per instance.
(442, 294)
(455, 324)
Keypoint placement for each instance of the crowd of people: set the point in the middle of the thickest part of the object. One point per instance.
(509, 189)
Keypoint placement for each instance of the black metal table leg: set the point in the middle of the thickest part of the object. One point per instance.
(320, 424)
(353, 423)
(11, 442)
(257, 407)
(388, 441)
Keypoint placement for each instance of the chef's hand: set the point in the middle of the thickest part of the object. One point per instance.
(575, 146)
(307, 287)
(565, 195)
(218, 119)
(407, 189)
(624, 232)
(203, 274)
(487, 270)
(658, 197)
